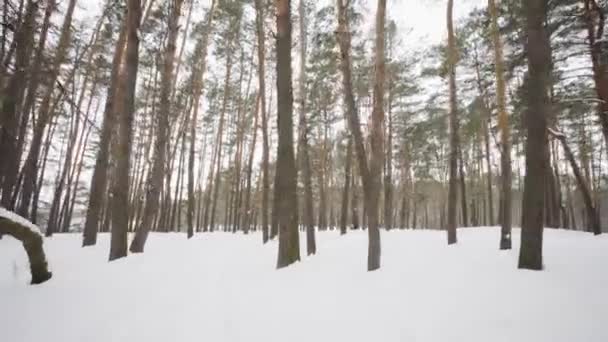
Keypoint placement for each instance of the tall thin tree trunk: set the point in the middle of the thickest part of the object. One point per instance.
(346, 190)
(454, 139)
(370, 171)
(13, 95)
(155, 181)
(303, 153)
(30, 168)
(592, 213)
(286, 172)
(505, 132)
(261, 36)
(122, 150)
(200, 67)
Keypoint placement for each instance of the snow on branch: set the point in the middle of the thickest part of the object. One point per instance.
(11, 216)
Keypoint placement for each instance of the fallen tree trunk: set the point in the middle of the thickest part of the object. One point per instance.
(29, 235)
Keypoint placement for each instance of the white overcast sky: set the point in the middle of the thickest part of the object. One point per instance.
(425, 18)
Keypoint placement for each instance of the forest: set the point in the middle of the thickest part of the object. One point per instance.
(143, 127)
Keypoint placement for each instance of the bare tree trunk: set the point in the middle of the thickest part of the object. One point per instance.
(259, 19)
(346, 190)
(303, 150)
(370, 171)
(247, 214)
(200, 67)
(122, 150)
(503, 123)
(539, 61)
(13, 95)
(463, 188)
(286, 173)
(595, 18)
(155, 181)
(592, 213)
(35, 74)
(454, 139)
(30, 168)
(220, 135)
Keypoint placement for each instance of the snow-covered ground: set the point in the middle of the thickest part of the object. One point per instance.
(221, 287)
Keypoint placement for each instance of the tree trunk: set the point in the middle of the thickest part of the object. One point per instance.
(303, 153)
(35, 76)
(346, 190)
(595, 18)
(592, 213)
(247, 211)
(220, 132)
(13, 95)
(539, 63)
(200, 67)
(463, 189)
(286, 173)
(30, 168)
(505, 132)
(260, 32)
(454, 140)
(155, 181)
(370, 171)
(122, 148)
(32, 242)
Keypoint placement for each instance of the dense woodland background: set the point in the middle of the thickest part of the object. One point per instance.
(195, 116)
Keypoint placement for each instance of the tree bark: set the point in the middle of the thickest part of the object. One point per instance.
(505, 132)
(32, 243)
(303, 150)
(592, 213)
(122, 149)
(369, 171)
(200, 67)
(595, 18)
(155, 181)
(539, 62)
(13, 95)
(261, 37)
(346, 190)
(454, 139)
(30, 168)
(286, 172)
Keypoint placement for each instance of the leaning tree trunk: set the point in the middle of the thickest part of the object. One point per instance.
(155, 181)
(539, 63)
(30, 237)
(12, 98)
(286, 173)
(30, 168)
(592, 213)
(370, 171)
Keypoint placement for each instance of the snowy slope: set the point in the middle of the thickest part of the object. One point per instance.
(219, 287)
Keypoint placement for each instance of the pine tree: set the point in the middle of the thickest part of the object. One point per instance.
(286, 173)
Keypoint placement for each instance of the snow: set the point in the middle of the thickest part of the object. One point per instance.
(20, 220)
(224, 287)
